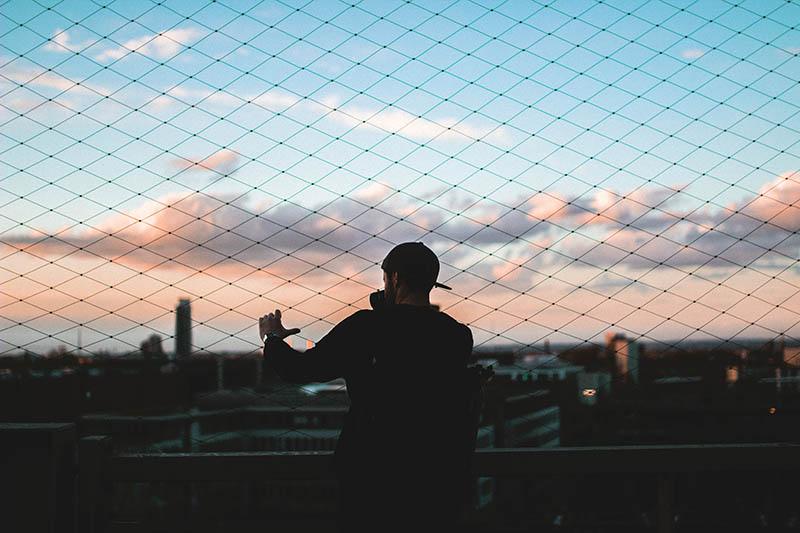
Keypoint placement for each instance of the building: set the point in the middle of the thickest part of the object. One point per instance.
(791, 356)
(183, 328)
(533, 368)
(625, 354)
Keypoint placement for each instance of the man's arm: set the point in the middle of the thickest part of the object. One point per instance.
(328, 360)
(313, 365)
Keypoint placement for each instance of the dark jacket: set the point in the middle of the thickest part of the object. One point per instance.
(408, 429)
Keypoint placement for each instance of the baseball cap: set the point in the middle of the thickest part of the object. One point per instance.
(414, 262)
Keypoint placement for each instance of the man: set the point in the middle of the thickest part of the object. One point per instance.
(403, 454)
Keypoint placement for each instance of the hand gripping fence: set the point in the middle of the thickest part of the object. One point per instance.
(579, 169)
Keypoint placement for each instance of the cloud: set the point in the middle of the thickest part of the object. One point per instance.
(389, 119)
(62, 42)
(197, 231)
(763, 229)
(330, 254)
(222, 163)
(394, 120)
(31, 75)
(272, 100)
(158, 45)
(373, 192)
(22, 105)
(692, 53)
(777, 201)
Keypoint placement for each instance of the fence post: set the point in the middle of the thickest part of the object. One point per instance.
(94, 453)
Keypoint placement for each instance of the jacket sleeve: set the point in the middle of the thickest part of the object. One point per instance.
(329, 359)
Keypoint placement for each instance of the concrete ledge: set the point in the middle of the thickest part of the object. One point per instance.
(505, 462)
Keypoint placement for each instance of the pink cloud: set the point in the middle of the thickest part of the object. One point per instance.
(777, 201)
(759, 229)
(198, 242)
(202, 231)
(221, 163)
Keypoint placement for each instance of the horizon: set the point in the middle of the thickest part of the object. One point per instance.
(555, 348)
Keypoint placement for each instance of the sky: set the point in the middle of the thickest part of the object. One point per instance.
(578, 166)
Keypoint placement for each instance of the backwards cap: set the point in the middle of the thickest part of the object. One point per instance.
(415, 263)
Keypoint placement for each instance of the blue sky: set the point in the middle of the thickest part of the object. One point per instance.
(437, 118)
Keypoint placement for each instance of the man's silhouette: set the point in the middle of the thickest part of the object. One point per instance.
(403, 454)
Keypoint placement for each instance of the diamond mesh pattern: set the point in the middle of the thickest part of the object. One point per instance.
(579, 167)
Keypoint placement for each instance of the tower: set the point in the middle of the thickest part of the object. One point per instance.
(183, 328)
(625, 353)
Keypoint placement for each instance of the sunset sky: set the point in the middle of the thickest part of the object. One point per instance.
(579, 167)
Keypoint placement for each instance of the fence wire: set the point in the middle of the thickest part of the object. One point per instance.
(579, 167)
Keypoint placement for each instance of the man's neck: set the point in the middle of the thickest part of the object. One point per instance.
(416, 299)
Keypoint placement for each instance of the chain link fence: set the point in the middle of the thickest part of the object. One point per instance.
(608, 185)
(581, 169)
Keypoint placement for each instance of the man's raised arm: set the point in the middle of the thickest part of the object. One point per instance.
(326, 361)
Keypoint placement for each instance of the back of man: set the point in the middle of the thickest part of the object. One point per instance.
(403, 455)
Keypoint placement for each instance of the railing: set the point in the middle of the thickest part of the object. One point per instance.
(100, 468)
(183, 431)
(50, 487)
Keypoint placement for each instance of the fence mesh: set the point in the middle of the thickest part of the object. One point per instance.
(579, 168)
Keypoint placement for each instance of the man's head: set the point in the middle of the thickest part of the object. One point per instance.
(410, 270)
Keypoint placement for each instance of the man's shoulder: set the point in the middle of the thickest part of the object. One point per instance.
(360, 323)
(452, 321)
(459, 333)
(368, 318)
(360, 318)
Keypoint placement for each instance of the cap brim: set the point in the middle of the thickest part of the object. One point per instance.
(442, 286)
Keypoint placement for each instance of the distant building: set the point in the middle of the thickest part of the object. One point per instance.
(625, 354)
(769, 355)
(151, 347)
(533, 367)
(539, 427)
(183, 328)
(791, 356)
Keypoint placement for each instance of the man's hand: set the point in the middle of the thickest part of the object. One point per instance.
(271, 323)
